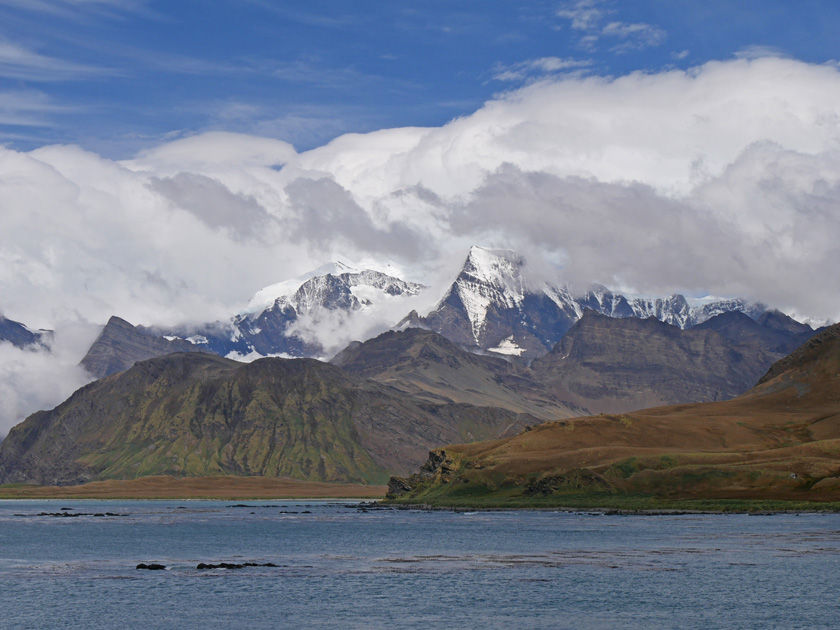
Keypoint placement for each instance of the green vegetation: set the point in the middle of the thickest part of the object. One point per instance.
(510, 499)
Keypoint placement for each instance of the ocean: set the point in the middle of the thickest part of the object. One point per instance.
(338, 564)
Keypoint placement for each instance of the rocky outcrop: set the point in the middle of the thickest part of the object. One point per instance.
(120, 345)
(439, 468)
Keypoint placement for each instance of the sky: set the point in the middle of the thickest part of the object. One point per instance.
(163, 161)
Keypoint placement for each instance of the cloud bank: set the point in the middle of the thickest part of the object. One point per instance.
(723, 179)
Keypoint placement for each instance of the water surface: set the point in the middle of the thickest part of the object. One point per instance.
(340, 566)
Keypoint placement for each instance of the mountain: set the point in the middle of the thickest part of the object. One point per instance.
(777, 441)
(772, 330)
(195, 414)
(332, 296)
(610, 365)
(492, 305)
(120, 345)
(430, 367)
(21, 336)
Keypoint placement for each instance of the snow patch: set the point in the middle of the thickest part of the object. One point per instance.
(509, 347)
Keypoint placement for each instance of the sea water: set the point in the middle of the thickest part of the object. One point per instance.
(340, 565)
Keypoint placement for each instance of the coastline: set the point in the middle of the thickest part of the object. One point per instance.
(222, 488)
(630, 505)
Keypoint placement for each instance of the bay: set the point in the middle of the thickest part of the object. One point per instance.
(340, 565)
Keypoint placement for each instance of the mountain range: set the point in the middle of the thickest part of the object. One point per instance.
(777, 441)
(376, 410)
(498, 353)
(491, 307)
(196, 414)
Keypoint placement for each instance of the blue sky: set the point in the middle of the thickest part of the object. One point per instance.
(116, 76)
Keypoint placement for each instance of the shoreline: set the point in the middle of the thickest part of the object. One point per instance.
(221, 488)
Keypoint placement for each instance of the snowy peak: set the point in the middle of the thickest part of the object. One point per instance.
(348, 291)
(494, 305)
(501, 268)
(489, 278)
(268, 296)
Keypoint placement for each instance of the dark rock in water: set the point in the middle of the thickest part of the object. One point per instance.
(151, 567)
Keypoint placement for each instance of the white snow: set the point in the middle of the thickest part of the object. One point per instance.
(266, 297)
(254, 355)
(508, 346)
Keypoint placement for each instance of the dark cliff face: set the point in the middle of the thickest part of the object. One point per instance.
(774, 331)
(427, 365)
(20, 336)
(120, 345)
(197, 414)
(614, 365)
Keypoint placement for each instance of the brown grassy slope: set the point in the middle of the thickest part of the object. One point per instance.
(781, 436)
(165, 487)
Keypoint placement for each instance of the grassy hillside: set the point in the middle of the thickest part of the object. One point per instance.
(778, 442)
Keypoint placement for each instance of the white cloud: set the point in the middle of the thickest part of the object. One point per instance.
(32, 379)
(585, 15)
(27, 108)
(542, 67)
(719, 179)
(588, 17)
(17, 62)
(635, 36)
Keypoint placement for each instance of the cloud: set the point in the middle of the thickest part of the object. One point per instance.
(757, 52)
(723, 178)
(28, 108)
(213, 149)
(585, 15)
(532, 68)
(214, 205)
(77, 10)
(588, 17)
(324, 214)
(17, 62)
(635, 36)
(32, 379)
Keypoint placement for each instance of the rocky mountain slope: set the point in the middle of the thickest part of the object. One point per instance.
(22, 336)
(120, 345)
(277, 321)
(430, 367)
(197, 414)
(778, 441)
(610, 365)
(492, 304)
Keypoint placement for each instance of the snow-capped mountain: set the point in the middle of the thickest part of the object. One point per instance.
(312, 315)
(492, 305)
(676, 309)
